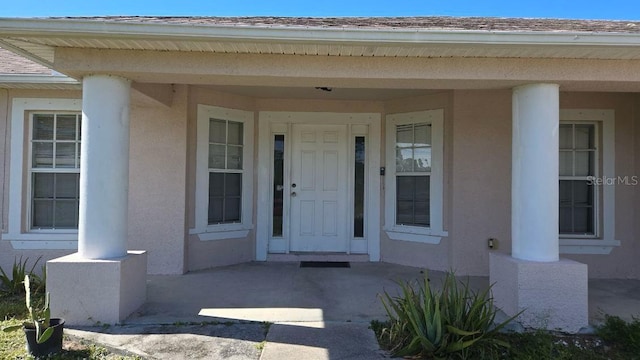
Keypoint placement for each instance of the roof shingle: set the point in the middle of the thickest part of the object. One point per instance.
(11, 63)
(423, 23)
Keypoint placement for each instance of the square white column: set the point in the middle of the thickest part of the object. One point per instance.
(552, 295)
(89, 292)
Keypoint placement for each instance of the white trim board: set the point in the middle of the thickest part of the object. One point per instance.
(20, 237)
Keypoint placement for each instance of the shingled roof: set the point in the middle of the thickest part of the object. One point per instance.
(11, 63)
(424, 23)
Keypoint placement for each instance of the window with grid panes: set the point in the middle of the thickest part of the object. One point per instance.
(54, 170)
(578, 162)
(225, 171)
(413, 172)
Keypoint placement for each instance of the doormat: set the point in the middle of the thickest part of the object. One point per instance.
(325, 264)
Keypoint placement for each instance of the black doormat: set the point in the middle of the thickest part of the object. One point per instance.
(325, 264)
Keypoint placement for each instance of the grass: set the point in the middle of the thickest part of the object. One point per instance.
(12, 344)
(615, 339)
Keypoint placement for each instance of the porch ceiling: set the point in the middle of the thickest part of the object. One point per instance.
(289, 92)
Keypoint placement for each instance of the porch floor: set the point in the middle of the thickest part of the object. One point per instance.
(316, 313)
(284, 292)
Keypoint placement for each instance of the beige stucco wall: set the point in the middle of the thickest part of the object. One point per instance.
(157, 180)
(481, 178)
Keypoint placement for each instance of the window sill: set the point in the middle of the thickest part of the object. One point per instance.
(222, 232)
(42, 241)
(587, 246)
(415, 234)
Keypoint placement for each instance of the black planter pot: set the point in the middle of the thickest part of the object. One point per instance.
(51, 346)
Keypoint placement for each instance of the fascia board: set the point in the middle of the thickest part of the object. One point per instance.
(37, 79)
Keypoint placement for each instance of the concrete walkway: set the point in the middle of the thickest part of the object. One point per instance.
(280, 311)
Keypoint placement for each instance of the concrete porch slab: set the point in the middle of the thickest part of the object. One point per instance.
(284, 292)
(248, 294)
(275, 292)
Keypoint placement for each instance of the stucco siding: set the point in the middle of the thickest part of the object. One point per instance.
(207, 254)
(157, 181)
(481, 178)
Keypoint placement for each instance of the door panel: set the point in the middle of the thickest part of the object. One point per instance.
(319, 188)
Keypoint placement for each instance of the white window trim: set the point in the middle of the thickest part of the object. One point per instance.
(205, 231)
(606, 236)
(19, 236)
(434, 233)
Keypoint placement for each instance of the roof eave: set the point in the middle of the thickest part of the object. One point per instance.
(86, 28)
(38, 79)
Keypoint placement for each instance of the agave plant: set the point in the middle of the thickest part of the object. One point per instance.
(12, 283)
(436, 324)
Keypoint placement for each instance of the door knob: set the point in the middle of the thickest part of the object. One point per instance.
(293, 194)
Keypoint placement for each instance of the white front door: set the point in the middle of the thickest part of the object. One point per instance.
(319, 188)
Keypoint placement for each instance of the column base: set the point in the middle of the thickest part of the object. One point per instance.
(553, 295)
(88, 292)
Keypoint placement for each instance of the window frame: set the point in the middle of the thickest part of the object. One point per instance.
(434, 233)
(604, 203)
(596, 173)
(31, 170)
(18, 230)
(202, 228)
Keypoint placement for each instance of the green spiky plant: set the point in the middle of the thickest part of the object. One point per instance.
(13, 284)
(434, 324)
(39, 319)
